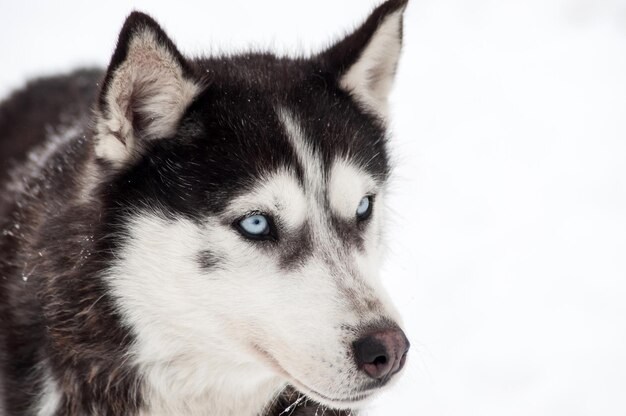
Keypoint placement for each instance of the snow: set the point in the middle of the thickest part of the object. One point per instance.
(508, 227)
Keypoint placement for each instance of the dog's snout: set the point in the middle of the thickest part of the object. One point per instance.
(381, 354)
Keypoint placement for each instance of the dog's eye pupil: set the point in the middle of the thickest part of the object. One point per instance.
(255, 225)
(364, 210)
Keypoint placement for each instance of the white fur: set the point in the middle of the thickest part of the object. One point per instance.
(50, 396)
(311, 163)
(278, 193)
(348, 185)
(151, 81)
(370, 79)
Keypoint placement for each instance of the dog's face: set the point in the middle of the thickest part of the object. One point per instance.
(246, 197)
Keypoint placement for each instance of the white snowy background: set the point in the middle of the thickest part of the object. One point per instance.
(507, 238)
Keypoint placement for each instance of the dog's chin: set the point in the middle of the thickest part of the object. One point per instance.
(348, 402)
(353, 401)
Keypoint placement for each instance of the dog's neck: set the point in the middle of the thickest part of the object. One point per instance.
(185, 387)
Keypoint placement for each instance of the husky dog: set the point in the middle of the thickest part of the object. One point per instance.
(199, 236)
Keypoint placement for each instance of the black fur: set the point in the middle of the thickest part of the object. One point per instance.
(208, 260)
(55, 242)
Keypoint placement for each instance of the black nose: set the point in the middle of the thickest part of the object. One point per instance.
(382, 353)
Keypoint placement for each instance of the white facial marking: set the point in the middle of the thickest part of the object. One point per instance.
(310, 161)
(347, 186)
(278, 193)
(371, 77)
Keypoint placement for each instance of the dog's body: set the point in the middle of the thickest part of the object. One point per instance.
(190, 245)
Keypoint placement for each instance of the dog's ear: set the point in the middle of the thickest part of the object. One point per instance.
(365, 61)
(147, 87)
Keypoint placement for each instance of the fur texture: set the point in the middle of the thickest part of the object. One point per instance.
(126, 286)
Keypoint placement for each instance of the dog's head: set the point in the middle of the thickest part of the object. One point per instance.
(245, 195)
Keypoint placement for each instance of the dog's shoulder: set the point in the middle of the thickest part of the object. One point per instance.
(28, 114)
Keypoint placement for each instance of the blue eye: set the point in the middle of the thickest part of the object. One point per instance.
(256, 226)
(364, 210)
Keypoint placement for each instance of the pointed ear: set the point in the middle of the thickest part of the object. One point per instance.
(148, 86)
(365, 61)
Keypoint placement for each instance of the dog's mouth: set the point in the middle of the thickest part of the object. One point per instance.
(350, 401)
(356, 399)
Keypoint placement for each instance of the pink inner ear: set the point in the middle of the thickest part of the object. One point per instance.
(146, 94)
(340, 57)
(366, 60)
